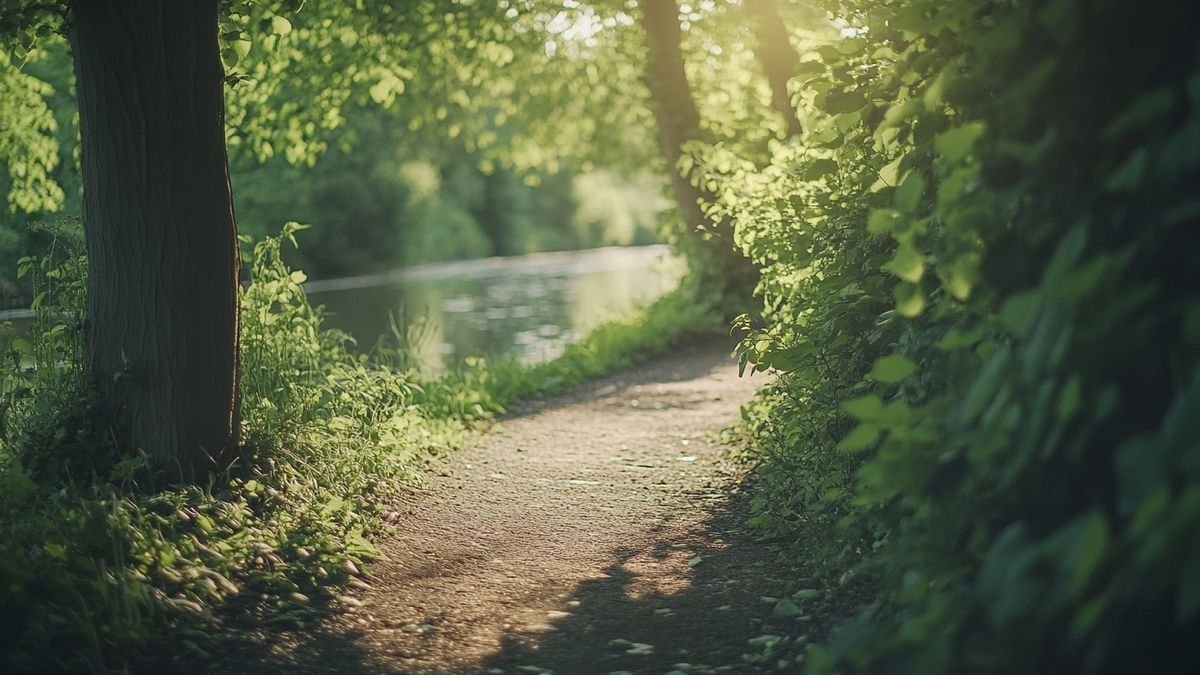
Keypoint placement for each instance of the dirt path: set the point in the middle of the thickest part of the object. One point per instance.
(589, 533)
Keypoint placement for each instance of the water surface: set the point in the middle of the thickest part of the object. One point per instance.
(529, 307)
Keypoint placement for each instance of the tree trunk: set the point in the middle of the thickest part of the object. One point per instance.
(777, 56)
(161, 238)
(721, 266)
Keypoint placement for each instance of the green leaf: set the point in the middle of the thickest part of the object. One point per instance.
(861, 437)
(910, 300)
(819, 168)
(959, 274)
(883, 221)
(889, 175)
(850, 46)
(847, 121)
(894, 414)
(21, 346)
(1129, 175)
(956, 143)
(957, 338)
(864, 408)
(908, 195)
(900, 112)
(819, 661)
(1017, 312)
(892, 368)
(807, 69)
(908, 264)
(1090, 549)
(1087, 615)
(1069, 398)
(787, 609)
(280, 25)
(229, 57)
(241, 48)
(205, 524)
(1147, 109)
(333, 505)
(379, 92)
(837, 103)
(17, 485)
(55, 550)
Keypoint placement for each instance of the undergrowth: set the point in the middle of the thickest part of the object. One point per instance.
(981, 292)
(100, 573)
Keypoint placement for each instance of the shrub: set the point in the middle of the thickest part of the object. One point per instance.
(979, 287)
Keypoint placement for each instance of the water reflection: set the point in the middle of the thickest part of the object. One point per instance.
(529, 307)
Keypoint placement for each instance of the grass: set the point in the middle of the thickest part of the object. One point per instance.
(99, 572)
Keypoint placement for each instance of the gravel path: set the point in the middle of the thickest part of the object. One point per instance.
(595, 532)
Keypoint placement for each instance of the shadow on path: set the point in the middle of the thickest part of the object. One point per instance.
(616, 624)
(598, 531)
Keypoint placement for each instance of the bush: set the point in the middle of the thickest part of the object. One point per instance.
(979, 287)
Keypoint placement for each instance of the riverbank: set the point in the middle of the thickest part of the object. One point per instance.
(104, 574)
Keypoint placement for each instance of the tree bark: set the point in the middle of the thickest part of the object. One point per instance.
(777, 56)
(161, 236)
(722, 267)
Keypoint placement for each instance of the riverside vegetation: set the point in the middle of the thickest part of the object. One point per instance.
(980, 285)
(99, 567)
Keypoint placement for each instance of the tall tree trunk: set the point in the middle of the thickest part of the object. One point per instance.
(722, 267)
(777, 56)
(161, 237)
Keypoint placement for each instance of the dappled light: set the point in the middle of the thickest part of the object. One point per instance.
(599, 336)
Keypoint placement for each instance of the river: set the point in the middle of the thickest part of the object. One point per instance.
(528, 307)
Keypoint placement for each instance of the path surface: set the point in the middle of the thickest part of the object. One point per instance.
(588, 533)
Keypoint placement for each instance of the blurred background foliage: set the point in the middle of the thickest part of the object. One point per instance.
(383, 195)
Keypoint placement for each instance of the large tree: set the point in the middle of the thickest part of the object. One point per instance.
(161, 238)
(721, 266)
(777, 56)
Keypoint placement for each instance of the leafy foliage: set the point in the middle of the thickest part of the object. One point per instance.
(977, 293)
(361, 172)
